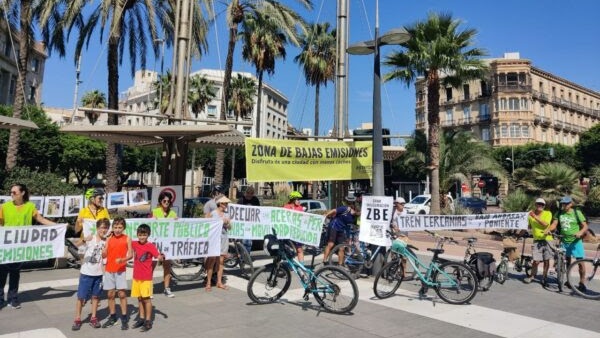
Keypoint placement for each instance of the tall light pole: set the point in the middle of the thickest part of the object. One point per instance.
(395, 36)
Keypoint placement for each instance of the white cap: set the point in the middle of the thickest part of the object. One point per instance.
(541, 201)
(400, 200)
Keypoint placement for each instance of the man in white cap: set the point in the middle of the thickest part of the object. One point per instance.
(399, 210)
(539, 220)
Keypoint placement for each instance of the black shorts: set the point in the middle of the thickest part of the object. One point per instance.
(335, 236)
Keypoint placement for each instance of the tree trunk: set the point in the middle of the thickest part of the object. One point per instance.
(113, 103)
(433, 141)
(317, 91)
(219, 166)
(259, 102)
(19, 105)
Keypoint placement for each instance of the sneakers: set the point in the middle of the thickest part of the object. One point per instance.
(76, 325)
(544, 283)
(110, 322)
(168, 293)
(527, 280)
(147, 326)
(581, 287)
(95, 323)
(15, 305)
(138, 323)
(124, 325)
(567, 284)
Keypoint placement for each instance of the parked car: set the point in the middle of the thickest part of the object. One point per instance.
(476, 205)
(314, 206)
(420, 204)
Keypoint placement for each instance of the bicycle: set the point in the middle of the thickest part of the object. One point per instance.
(482, 263)
(333, 288)
(560, 261)
(357, 255)
(591, 281)
(447, 278)
(522, 263)
(187, 270)
(238, 255)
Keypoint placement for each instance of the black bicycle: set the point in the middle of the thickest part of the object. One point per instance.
(239, 256)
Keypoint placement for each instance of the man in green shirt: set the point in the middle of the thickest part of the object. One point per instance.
(573, 226)
(18, 212)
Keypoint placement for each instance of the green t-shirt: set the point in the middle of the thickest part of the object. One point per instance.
(568, 224)
(159, 213)
(18, 215)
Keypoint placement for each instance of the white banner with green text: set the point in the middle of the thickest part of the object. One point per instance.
(32, 243)
(180, 238)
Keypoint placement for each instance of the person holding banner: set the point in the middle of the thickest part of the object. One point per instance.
(219, 262)
(341, 220)
(90, 278)
(211, 205)
(294, 204)
(163, 210)
(248, 199)
(18, 212)
(94, 210)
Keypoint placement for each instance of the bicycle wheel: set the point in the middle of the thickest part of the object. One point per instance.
(353, 258)
(334, 289)
(560, 273)
(388, 280)
(501, 272)
(267, 285)
(246, 267)
(455, 282)
(186, 270)
(409, 271)
(591, 285)
(232, 259)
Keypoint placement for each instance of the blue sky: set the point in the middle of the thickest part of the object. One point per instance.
(561, 37)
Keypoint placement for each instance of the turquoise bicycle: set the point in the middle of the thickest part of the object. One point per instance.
(454, 282)
(333, 288)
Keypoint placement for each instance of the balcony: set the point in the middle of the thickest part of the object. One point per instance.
(558, 125)
(470, 97)
(448, 123)
(447, 102)
(540, 96)
(420, 125)
(541, 120)
(484, 118)
(504, 88)
(466, 120)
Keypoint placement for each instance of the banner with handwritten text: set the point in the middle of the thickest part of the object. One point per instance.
(32, 243)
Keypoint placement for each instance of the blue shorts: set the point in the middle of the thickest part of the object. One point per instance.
(89, 286)
(574, 249)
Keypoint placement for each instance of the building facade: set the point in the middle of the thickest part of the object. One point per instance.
(515, 104)
(143, 96)
(9, 53)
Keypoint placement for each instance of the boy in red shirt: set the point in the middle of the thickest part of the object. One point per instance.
(141, 287)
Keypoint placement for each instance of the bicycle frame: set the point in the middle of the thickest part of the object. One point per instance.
(431, 267)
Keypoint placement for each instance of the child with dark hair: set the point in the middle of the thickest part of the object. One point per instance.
(141, 287)
(90, 279)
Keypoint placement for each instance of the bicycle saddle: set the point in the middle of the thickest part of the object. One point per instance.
(436, 251)
(471, 239)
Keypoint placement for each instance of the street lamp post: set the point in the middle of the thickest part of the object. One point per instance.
(393, 37)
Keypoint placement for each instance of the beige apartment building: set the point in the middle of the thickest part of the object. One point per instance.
(9, 53)
(516, 104)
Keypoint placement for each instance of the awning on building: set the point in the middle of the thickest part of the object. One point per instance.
(7, 122)
(390, 153)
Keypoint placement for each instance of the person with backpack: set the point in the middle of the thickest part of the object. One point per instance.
(572, 225)
(341, 220)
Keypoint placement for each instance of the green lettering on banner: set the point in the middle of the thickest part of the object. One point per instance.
(236, 229)
(26, 253)
(283, 230)
(314, 223)
(260, 230)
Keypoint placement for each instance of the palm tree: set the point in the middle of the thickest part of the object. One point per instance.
(163, 85)
(288, 20)
(200, 93)
(134, 23)
(264, 42)
(243, 92)
(550, 180)
(437, 47)
(317, 59)
(93, 99)
(22, 17)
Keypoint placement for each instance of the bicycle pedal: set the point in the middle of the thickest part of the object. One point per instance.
(305, 297)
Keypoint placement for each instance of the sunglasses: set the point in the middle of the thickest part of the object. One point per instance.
(540, 204)
(14, 192)
(167, 201)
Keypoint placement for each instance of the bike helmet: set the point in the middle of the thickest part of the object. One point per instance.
(93, 192)
(295, 195)
(217, 189)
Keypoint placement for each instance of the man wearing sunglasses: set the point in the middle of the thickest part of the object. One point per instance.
(539, 220)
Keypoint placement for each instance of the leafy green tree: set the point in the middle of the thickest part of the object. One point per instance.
(201, 92)
(136, 159)
(40, 148)
(163, 86)
(531, 154)
(517, 201)
(39, 183)
(444, 55)
(409, 167)
(551, 181)
(93, 99)
(287, 19)
(243, 92)
(588, 148)
(82, 157)
(317, 59)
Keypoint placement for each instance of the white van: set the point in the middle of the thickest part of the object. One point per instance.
(420, 204)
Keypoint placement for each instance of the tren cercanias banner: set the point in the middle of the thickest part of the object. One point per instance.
(285, 160)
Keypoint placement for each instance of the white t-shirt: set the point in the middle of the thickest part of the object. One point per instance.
(92, 259)
(395, 215)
